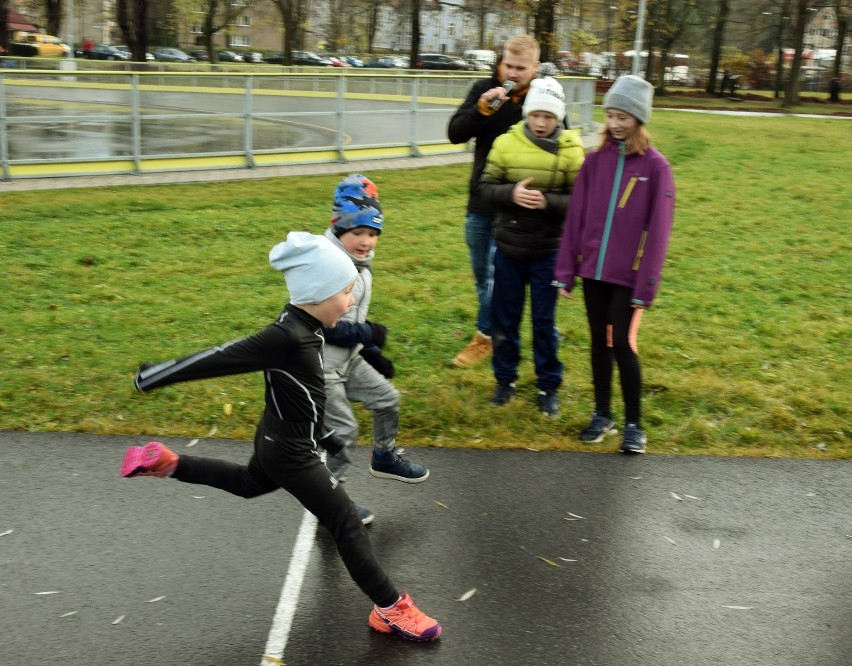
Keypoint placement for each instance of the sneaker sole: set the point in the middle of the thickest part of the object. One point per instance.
(601, 437)
(133, 461)
(630, 452)
(404, 479)
(383, 628)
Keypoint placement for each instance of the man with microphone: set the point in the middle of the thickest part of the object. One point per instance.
(491, 107)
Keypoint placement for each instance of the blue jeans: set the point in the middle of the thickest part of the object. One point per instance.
(477, 233)
(510, 285)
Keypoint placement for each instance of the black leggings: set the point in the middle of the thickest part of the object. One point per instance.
(609, 304)
(284, 457)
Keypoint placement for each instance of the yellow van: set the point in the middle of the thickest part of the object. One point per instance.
(43, 45)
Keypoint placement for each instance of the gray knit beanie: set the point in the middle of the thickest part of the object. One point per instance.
(631, 94)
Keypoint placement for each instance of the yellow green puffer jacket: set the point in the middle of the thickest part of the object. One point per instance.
(524, 234)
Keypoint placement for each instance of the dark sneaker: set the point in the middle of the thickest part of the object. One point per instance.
(504, 394)
(634, 439)
(599, 428)
(405, 619)
(394, 466)
(364, 514)
(548, 403)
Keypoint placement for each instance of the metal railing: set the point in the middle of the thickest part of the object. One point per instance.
(82, 122)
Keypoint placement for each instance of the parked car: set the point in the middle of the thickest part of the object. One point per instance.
(389, 62)
(107, 52)
(440, 61)
(200, 55)
(355, 62)
(338, 62)
(309, 58)
(252, 56)
(36, 44)
(229, 56)
(122, 47)
(171, 55)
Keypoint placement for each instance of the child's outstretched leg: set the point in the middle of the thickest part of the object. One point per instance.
(153, 459)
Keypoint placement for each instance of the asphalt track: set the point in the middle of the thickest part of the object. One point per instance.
(574, 558)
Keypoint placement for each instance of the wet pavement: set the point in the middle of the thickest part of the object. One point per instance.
(526, 557)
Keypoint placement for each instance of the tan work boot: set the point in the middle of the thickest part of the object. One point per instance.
(477, 350)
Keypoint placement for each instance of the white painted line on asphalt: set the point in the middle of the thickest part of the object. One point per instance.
(289, 599)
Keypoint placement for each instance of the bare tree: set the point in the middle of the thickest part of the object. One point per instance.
(842, 14)
(292, 15)
(132, 16)
(218, 15)
(372, 7)
(718, 37)
(791, 92)
(415, 31)
(545, 28)
(53, 16)
(4, 24)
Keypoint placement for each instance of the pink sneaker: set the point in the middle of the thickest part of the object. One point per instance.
(153, 459)
(405, 619)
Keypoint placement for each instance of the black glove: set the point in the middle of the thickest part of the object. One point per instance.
(382, 364)
(380, 334)
(332, 443)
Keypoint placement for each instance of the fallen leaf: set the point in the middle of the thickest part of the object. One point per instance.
(213, 431)
(51, 592)
(199, 496)
(193, 442)
(6, 532)
(228, 408)
(671, 541)
(738, 607)
(716, 543)
(576, 516)
(635, 478)
(565, 559)
(467, 595)
(441, 504)
(69, 614)
(550, 562)
(677, 497)
(118, 619)
(693, 497)
(274, 660)
(151, 601)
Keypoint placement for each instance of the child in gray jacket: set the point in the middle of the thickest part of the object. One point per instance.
(355, 368)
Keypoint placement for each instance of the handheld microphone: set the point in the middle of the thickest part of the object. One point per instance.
(495, 104)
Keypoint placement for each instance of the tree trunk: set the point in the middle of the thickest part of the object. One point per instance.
(839, 13)
(718, 38)
(4, 24)
(791, 92)
(544, 28)
(53, 10)
(415, 32)
(132, 16)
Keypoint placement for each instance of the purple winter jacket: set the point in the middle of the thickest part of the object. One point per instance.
(618, 224)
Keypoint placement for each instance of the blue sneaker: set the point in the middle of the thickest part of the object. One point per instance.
(634, 439)
(504, 394)
(548, 403)
(599, 428)
(364, 514)
(391, 465)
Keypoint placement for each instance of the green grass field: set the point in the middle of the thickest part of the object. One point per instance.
(746, 351)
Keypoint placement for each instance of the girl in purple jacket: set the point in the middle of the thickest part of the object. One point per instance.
(615, 238)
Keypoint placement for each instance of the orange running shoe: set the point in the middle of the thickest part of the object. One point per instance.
(153, 459)
(405, 619)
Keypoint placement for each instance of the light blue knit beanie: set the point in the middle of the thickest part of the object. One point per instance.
(314, 269)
